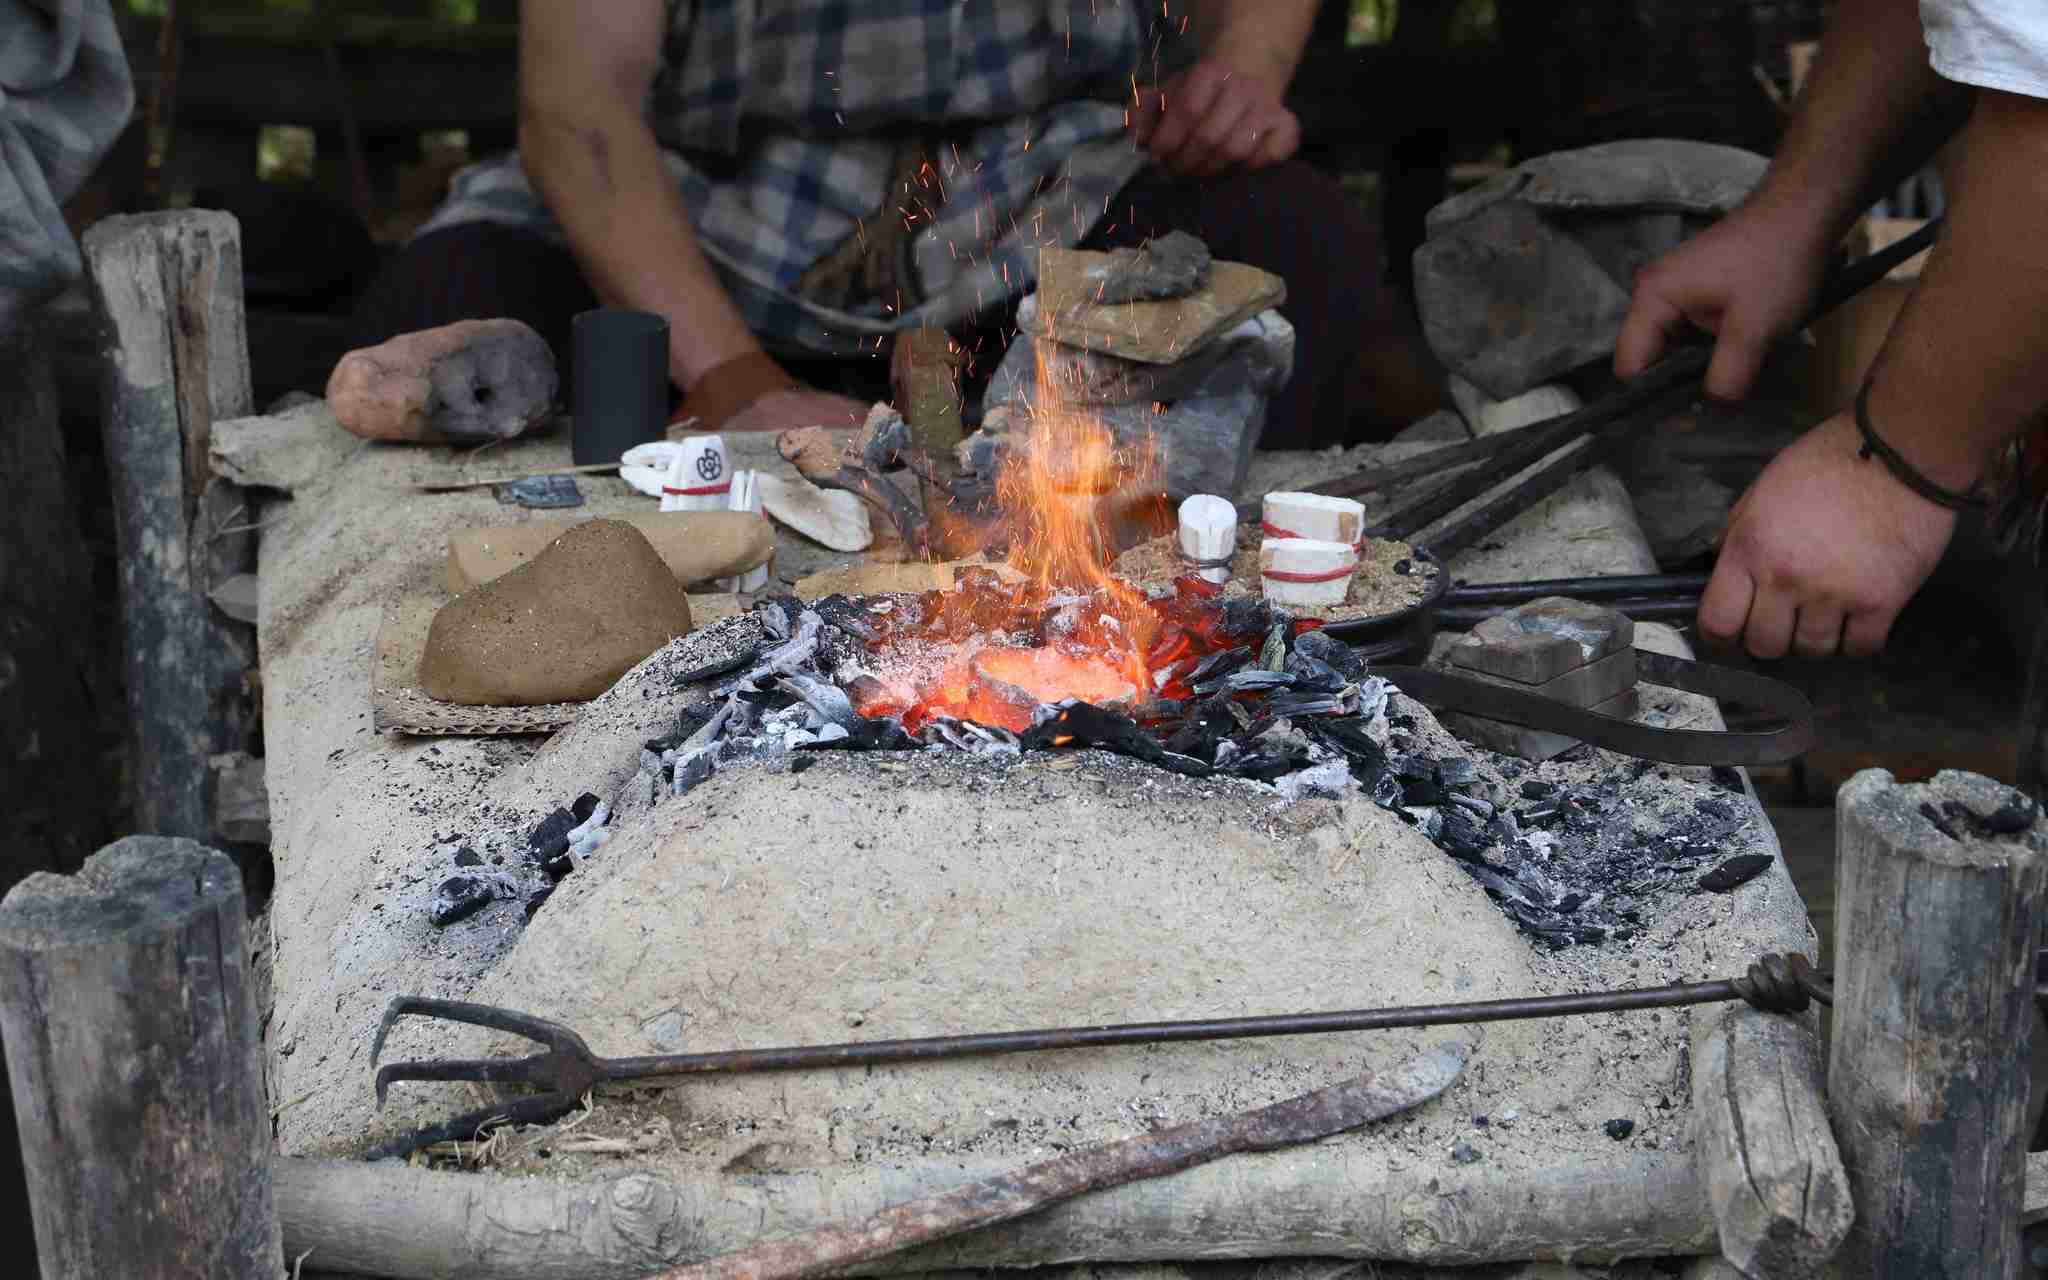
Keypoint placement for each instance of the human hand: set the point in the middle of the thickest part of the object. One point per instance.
(1748, 280)
(797, 407)
(1822, 552)
(1211, 119)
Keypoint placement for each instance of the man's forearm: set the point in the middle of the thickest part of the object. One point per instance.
(1263, 38)
(1872, 112)
(1962, 373)
(602, 176)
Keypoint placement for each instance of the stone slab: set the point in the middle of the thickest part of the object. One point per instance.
(1535, 745)
(697, 546)
(1583, 686)
(1537, 642)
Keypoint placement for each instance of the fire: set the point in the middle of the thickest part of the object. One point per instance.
(1088, 632)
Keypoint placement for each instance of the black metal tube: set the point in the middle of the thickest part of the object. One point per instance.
(873, 1052)
(1653, 609)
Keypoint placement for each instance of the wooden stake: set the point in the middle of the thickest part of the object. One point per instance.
(1937, 925)
(129, 1015)
(1208, 531)
(167, 289)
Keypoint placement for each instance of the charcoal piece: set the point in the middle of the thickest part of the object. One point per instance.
(779, 613)
(1536, 789)
(854, 619)
(690, 774)
(538, 899)
(866, 735)
(2017, 814)
(1519, 904)
(1619, 1129)
(551, 835)
(1091, 726)
(1727, 777)
(1203, 729)
(1465, 1153)
(583, 806)
(1313, 673)
(797, 764)
(1713, 808)
(1384, 788)
(1273, 654)
(1480, 809)
(459, 898)
(828, 700)
(1401, 722)
(1332, 652)
(1736, 872)
(1463, 834)
(1246, 616)
(1404, 566)
(1171, 266)
(539, 493)
(1305, 705)
(468, 857)
(1416, 768)
(1251, 680)
(1420, 792)
(558, 867)
(1456, 771)
(1268, 764)
(1935, 820)
(1427, 820)
(1569, 903)
(1220, 663)
(836, 649)
(713, 670)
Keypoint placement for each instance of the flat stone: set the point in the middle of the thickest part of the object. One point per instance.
(1157, 332)
(1582, 686)
(562, 627)
(1535, 745)
(697, 546)
(1537, 642)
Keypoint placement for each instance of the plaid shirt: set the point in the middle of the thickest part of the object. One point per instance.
(784, 124)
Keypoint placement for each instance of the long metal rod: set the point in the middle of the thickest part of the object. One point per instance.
(1616, 587)
(876, 1052)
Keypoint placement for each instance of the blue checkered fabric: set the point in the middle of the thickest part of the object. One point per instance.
(800, 108)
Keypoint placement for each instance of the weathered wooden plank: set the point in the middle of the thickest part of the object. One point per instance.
(167, 289)
(1936, 930)
(127, 1006)
(1768, 1159)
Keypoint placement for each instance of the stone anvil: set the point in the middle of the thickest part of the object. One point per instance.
(1191, 373)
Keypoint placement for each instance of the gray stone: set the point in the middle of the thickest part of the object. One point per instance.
(1535, 745)
(1527, 276)
(1172, 266)
(1586, 685)
(1537, 642)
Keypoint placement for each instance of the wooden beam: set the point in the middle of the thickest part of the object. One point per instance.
(1936, 928)
(167, 288)
(129, 1014)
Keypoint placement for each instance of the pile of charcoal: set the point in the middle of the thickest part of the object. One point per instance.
(1295, 709)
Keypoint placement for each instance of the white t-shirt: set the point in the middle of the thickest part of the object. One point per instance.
(1993, 44)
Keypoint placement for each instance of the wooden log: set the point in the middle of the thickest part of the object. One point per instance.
(1772, 1172)
(1329, 1201)
(1937, 924)
(128, 1009)
(167, 288)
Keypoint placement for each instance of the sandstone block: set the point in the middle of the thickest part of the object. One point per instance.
(471, 381)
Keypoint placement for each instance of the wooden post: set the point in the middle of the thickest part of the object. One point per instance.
(129, 1015)
(167, 288)
(1937, 922)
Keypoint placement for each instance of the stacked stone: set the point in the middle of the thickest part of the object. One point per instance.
(1566, 650)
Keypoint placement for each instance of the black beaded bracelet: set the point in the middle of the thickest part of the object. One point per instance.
(1907, 473)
